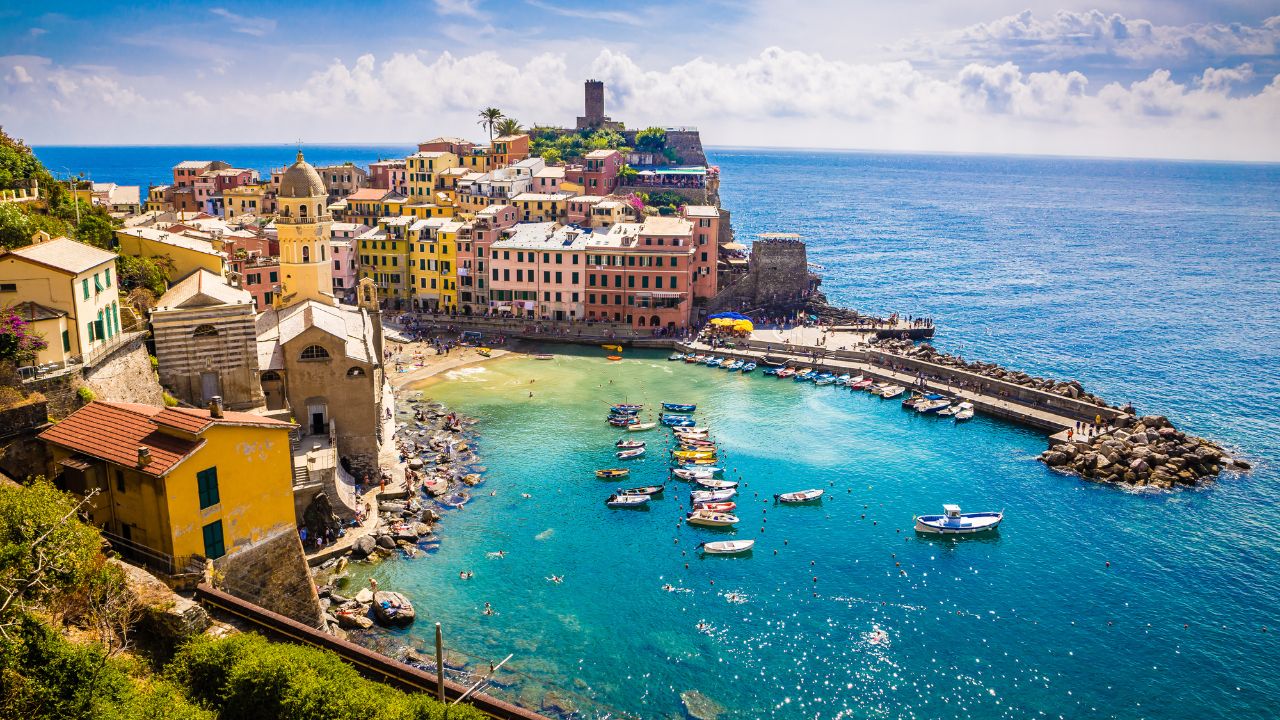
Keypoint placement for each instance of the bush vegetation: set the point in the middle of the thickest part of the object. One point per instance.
(554, 145)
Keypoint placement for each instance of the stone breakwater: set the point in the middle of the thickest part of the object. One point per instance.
(1066, 388)
(1145, 452)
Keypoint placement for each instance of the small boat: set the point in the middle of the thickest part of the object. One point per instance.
(773, 362)
(735, 365)
(862, 384)
(690, 430)
(693, 454)
(544, 356)
(707, 496)
(629, 454)
(613, 358)
(717, 484)
(965, 412)
(627, 407)
(728, 547)
(694, 442)
(678, 407)
(392, 608)
(843, 380)
(892, 391)
(695, 473)
(626, 444)
(786, 372)
(484, 351)
(627, 501)
(707, 518)
(749, 367)
(932, 407)
(674, 420)
(716, 506)
(675, 356)
(954, 522)
(801, 496)
(767, 371)
(641, 427)
(623, 420)
(650, 490)
(712, 361)
(878, 388)
(804, 376)
(824, 379)
(611, 473)
(696, 462)
(615, 348)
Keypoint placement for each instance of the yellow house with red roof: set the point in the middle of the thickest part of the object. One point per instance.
(177, 485)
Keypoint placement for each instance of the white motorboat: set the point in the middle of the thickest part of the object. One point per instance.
(626, 501)
(965, 412)
(710, 518)
(641, 427)
(892, 391)
(954, 522)
(705, 496)
(932, 406)
(716, 484)
(629, 454)
(690, 430)
(695, 473)
(801, 496)
(727, 547)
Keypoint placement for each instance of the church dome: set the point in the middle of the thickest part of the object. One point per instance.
(301, 181)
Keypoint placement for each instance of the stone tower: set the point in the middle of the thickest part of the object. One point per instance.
(303, 225)
(594, 116)
(367, 298)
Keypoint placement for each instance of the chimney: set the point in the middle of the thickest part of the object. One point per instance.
(144, 456)
(215, 406)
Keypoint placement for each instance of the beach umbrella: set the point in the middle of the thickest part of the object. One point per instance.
(743, 325)
(723, 322)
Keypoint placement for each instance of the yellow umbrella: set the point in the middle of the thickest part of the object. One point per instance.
(743, 325)
(723, 322)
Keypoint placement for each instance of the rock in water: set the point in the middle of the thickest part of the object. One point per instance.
(363, 546)
(699, 706)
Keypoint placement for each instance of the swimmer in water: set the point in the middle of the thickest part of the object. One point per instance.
(488, 609)
(557, 579)
(525, 495)
(669, 587)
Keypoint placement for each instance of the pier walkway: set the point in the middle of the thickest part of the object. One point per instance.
(1028, 406)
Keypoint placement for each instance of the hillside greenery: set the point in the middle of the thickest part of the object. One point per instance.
(555, 145)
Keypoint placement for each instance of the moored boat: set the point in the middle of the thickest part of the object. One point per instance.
(626, 407)
(933, 407)
(708, 518)
(728, 547)
(712, 361)
(641, 427)
(749, 367)
(726, 506)
(623, 420)
(625, 444)
(675, 356)
(735, 365)
(954, 522)
(707, 496)
(892, 391)
(691, 358)
(800, 496)
(611, 473)
(965, 412)
(694, 454)
(716, 484)
(649, 490)
(690, 430)
(630, 454)
(767, 371)
(862, 384)
(695, 473)
(674, 420)
(626, 501)
(678, 407)
(786, 372)
(615, 348)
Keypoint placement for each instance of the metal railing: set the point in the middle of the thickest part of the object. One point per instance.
(152, 559)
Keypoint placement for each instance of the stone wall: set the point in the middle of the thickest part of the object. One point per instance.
(227, 351)
(126, 376)
(778, 278)
(273, 573)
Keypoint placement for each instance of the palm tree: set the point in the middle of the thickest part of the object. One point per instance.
(489, 118)
(509, 126)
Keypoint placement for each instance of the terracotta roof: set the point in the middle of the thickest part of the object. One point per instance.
(114, 431)
(34, 312)
(65, 254)
(368, 194)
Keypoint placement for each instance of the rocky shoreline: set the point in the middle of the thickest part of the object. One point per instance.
(1143, 452)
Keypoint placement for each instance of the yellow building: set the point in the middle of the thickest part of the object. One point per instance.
(384, 257)
(434, 261)
(245, 200)
(477, 160)
(424, 170)
(177, 484)
(366, 205)
(64, 276)
(187, 254)
(304, 227)
(542, 207)
(422, 211)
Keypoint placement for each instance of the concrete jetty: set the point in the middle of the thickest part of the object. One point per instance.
(1029, 406)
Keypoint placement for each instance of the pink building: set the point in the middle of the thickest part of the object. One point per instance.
(261, 277)
(344, 268)
(579, 212)
(537, 271)
(600, 171)
(186, 172)
(475, 255)
(389, 175)
(706, 242)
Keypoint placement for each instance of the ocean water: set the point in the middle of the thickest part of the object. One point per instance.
(1151, 282)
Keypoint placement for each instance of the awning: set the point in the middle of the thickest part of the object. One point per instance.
(76, 462)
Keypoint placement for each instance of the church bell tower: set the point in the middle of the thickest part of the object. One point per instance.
(303, 226)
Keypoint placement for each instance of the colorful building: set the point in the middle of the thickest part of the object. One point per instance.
(433, 263)
(509, 150)
(186, 254)
(424, 170)
(641, 274)
(389, 175)
(475, 255)
(248, 199)
(180, 483)
(537, 270)
(384, 258)
(542, 207)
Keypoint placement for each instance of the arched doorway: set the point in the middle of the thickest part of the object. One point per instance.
(273, 390)
(317, 418)
(654, 321)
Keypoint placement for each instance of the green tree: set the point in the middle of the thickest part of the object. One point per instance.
(18, 224)
(509, 126)
(651, 139)
(97, 230)
(143, 272)
(489, 118)
(551, 156)
(626, 172)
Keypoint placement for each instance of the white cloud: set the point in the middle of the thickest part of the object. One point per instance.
(465, 8)
(18, 75)
(610, 16)
(247, 24)
(36, 32)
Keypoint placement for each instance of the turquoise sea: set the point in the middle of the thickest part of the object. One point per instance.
(1155, 282)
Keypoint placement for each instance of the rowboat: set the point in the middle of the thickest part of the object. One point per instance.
(953, 522)
(878, 388)
(735, 365)
(691, 358)
(802, 496)
(694, 442)
(824, 379)
(613, 358)
(611, 473)
(678, 407)
(623, 420)
(804, 375)
(728, 547)
(629, 454)
(628, 444)
(627, 407)
(484, 351)
(716, 506)
(786, 372)
(862, 384)
(767, 371)
(748, 367)
(712, 361)
(641, 427)
(694, 454)
(627, 501)
(615, 348)
(843, 379)
(707, 518)
(716, 484)
(646, 490)
(706, 496)
(696, 462)
(690, 430)
(965, 412)
(675, 356)
(892, 391)
(932, 406)
(672, 420)
(695, 473)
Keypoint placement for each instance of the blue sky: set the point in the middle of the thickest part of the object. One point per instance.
(1164, 79)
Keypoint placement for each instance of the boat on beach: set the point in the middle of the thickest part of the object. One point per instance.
(678, 407)
(954, 522)
(630, 454)
(708, 518)
(611, 473)
(626, 501)
(728, 547)
(800, 496)
(641, 427)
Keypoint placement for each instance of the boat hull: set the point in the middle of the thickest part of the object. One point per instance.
(969, 524)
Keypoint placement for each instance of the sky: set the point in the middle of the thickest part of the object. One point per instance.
(1131, 78)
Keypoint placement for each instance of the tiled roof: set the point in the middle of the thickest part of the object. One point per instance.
(65, 254)
(114, 432)
(35, 312)
(202, 288)
(276, 328)
(368, 194)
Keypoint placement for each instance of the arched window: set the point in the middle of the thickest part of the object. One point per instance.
(654, 321)
(302, 211)
(322, 253)
(355, 372)
(314, 352)
(306, 254)
(205, 331)
(641, 321)
(319, 209)
(271, 376)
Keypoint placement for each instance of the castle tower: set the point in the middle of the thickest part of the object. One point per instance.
(303, 225)
(593, 116)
